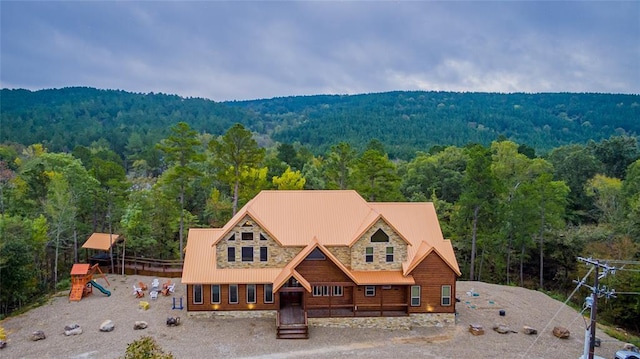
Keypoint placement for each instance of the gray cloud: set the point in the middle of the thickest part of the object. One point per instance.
(245, 50)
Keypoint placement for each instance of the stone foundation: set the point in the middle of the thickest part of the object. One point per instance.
(234, 314)
(404, 323)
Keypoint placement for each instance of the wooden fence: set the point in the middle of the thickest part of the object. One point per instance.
(146, 266)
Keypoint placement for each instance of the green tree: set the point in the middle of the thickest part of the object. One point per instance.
(61, 209)
(607, 192)
(289, 180)
(476, 206)
(375, 177)
(234, 154)
(182, 149)
(339, 166)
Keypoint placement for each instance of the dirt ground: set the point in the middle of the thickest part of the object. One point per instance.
(256, 338)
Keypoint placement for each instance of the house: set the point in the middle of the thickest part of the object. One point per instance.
(300, 255)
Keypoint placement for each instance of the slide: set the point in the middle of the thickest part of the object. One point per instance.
(100, 288)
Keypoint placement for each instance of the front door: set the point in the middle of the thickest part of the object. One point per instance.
(291, 297)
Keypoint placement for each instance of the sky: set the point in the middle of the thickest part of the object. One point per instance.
(240, 50)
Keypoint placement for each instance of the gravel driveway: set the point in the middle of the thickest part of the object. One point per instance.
(256, 338)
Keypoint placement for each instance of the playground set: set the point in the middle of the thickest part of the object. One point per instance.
(82, 282)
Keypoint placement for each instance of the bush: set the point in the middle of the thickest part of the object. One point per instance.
(145, 348)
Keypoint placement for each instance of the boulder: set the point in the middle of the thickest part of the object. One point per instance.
(107, 326)
(72, 330)
(71, 327)
(503, 329)
(476, 329)
(529, 330)
(3, 344)
(630, 347)
(37, 335)
(561, 332)
(140, 324)
(173, 321)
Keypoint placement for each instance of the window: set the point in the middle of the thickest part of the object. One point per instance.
(389, 254)
(247, 254)
(247, 224)
(247, 236)
(321, 291)
(251, 293)
(215, 294)
(231, 254)
(415, 295)
(264, 254)
(446, 295)
(379, 236)
(233, 294)
(316, 255)
(368, 255)
(197, 294)
(268, 293)
(262, 237)
(338, 291)
(232, 237)
(370, 291)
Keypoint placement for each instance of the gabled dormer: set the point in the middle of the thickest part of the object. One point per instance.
(380, 247)
(248, 245)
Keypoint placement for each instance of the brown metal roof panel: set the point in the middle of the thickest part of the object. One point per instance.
(382, 278)
(101, 241)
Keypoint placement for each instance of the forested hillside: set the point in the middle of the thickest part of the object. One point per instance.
(149, 166)
(405, 122)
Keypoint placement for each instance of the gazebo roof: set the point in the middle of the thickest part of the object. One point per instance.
(102, 241)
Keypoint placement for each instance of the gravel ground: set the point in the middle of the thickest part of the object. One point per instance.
(255, 338)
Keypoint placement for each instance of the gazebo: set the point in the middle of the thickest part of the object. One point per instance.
(103, 242)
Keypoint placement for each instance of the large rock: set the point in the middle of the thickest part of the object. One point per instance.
(37, 335)
(107, 326)
(561, 332)
(503, 329)
(2, 344)
(476, 329)
(529, 330)
(73, 329)
(140, 324)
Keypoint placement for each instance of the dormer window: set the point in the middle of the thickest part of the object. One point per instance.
(379, 236)
(316, 255)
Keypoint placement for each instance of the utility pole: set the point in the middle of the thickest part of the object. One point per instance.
(592, 302)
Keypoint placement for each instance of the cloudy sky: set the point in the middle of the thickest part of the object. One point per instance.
(225, 50)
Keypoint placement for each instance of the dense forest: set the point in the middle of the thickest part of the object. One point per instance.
(523, 183)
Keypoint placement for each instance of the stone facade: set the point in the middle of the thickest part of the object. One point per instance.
(277, 256)
(379, 250)
(234, 314)
(342, 253)
(405, 323)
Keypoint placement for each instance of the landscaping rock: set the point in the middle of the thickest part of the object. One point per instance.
(2, 344)
(140, 324)
(476, 329)
(529, 330)
(561, 332)
(73, 329)
(107, 326)
(503, 329)
(37, 335)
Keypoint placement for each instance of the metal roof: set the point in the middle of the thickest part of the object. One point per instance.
(317, 219)
(101, 241)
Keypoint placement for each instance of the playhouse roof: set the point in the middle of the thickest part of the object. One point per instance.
(101, 241)
(80, 269)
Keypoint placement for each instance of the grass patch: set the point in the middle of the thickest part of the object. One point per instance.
(621, 335)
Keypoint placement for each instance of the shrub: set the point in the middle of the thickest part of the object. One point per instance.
(145, 348)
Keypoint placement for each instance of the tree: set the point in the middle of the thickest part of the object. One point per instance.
(61, 210)
(236, 152)
(289, 180)
(339, 166)
(181, 149)
(375, 177)
(616, 153)
(607, 192)
(477, 202)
